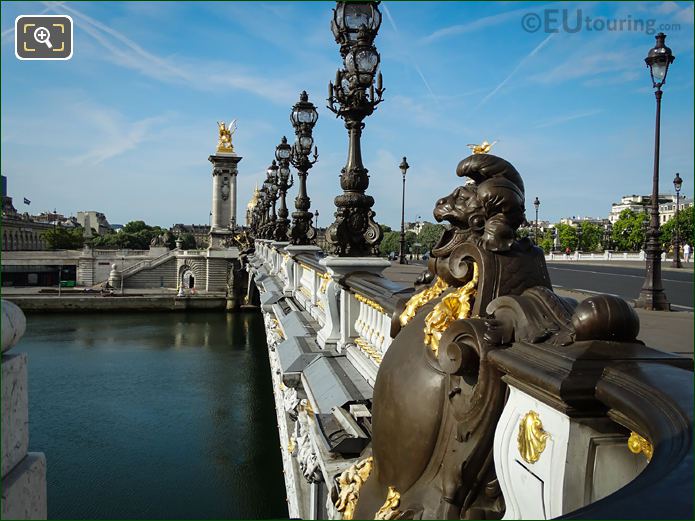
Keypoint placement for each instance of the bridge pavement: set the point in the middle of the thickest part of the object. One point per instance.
(668, 331)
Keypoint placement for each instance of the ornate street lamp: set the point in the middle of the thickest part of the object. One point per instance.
(353, 97)
(579, 237)
(652, 295)
(608, 234)
(316, 217)
(404, 169)
(677, 184)
(282, 154)
(303, 118)
(536, 205)
(271, 187)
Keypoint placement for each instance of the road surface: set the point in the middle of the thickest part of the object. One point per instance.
(622, 281)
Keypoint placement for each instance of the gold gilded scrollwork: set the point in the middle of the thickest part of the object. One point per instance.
(368, 348)
(637, 444)
(532, 438)
(349, 484)
(420, 299)
(325, 279)
(455, 306)
(389, 510)
(291, 445)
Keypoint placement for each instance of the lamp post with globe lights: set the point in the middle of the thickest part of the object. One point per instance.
(652, 295)
(283, 176)
(354, 96)
(303, 118)
(677, 184)
(271, 187)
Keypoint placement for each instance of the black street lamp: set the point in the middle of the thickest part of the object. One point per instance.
(355, 233)
(677, 184)
(282, 153)
(536, 205)
(404, 169)
(316, 219)
(607, 236)
(271, 187)
(303, 118)
(579, 237)
(652, 295)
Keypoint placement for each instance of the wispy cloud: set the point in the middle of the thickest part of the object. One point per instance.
(10, 30)
(417, 68)
(570, 117)
(519, 65)
(199, 75)
(481, 23)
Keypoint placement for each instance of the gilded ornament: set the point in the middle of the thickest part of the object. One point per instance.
(389, 510)
(349, 484)
(369, 302)
(224, 143)
(637, 444)
(532, 438)
(420, 299)
(291, 445)
(456, 305)
(482, 148)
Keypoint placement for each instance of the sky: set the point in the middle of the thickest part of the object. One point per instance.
(126, 126)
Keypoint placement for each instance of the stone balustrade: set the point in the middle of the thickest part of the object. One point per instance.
(23, 472)
(606, 255)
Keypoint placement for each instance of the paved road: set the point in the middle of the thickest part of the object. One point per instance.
(622, 281)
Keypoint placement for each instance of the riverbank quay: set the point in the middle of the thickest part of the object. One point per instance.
(48, 300)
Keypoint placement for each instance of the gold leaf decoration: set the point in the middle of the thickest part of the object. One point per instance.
(456, 305)
(637, 444)
(420, 299)
(532, 438)
(389, 510)
(349, 484)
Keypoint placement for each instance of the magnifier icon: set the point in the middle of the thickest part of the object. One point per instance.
(43, 35)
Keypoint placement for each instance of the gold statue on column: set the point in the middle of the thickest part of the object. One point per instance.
(482, 148)
(224, 144)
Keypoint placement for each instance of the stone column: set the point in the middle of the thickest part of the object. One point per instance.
(224, 171)
(232, 221)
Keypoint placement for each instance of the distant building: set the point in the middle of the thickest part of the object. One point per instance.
(577, 220)
(199, 231)
(20, 232)
(97, 221)
(415, 227)
(667, 211)
(637, 203)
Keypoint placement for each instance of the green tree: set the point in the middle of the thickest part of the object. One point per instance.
(187, 241)
(135, 227)
(385, 228)
(566, 236)
(685, 229)
(390, 243)
(429, 236)
(591, 236)
(629, 231)
(60, 238)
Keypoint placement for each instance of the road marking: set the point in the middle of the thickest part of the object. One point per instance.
(616, 274)
(681, 307)
(595, 292)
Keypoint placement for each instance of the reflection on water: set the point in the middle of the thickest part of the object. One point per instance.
(154, 415)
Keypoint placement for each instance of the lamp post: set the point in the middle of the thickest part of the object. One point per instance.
(282, 154)
(303, 118)
(677, 184)
(404, 169)
(316, 219)
(652, 295)
(608, 234)
(579, 238)
(353, 97)
(270, 185)
(536, 205)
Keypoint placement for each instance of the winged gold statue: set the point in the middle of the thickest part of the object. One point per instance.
(226, 131)
(482, 148)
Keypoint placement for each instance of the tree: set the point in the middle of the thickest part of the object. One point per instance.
(385, 228)
(629, 230)
(685, 229)
(390, 243)
(135, 227)
(429, 235)
(566, 236)
(60, 238)
(188, 241)
(592, 234)
(136, 235)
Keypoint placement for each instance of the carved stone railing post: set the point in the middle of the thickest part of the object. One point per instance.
(23, 472)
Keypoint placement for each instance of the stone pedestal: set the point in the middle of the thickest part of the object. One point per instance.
(337, 267)
(223, 219)
(23, 472)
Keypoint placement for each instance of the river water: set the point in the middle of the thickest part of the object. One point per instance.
(154, 415)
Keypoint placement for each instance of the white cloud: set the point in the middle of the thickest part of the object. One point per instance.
(569, 117)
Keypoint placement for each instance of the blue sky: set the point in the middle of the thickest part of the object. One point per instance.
(126, 126)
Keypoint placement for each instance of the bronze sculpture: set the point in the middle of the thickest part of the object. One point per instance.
(441, 386)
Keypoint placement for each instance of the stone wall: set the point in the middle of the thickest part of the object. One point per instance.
(23, 472)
